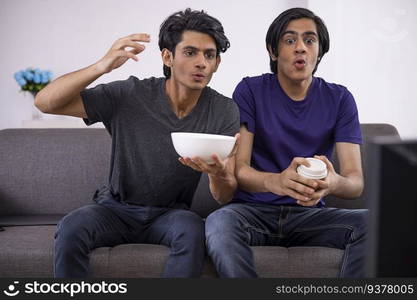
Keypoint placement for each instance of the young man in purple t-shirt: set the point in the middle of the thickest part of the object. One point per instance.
(285, 117)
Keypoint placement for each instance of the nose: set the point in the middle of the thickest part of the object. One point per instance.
(201, 61)
(300, 47)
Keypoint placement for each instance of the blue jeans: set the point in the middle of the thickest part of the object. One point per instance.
(232, 229)
(108, 223)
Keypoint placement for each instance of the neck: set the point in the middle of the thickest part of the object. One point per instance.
(296, 90)
(181, 98)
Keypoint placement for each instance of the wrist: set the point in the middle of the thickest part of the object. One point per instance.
(334, 186)
(269, 181)
(222, 177)
(99, 68)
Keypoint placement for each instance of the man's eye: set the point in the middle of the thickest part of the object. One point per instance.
(289, 41)
(188, 53)
(210, 55)
(310, 41)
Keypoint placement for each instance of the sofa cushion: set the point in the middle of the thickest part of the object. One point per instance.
(27, 251)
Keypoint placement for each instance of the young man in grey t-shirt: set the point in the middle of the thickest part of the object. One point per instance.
(149, 190)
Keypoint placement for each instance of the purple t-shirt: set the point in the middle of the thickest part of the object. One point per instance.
(284, 128)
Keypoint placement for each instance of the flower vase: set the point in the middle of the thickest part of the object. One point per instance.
(36, 113)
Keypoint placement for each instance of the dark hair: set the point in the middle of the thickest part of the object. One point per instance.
(278, 26)
(173, 27)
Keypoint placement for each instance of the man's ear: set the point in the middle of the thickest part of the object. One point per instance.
(167, 57)
(218, 60)
(271, 53)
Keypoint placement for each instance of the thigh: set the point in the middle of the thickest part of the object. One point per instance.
(258, 222)
(96, 225)
(174, 224)
(328, 227)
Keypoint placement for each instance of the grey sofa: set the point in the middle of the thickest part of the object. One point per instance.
(46, 173)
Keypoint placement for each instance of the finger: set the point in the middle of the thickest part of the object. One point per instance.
(134, 51)
(123, 44)
(328, 163)
(217, 162)
(125, 54)
(296, 161)
(322, 184)
(131, 55)
(191, 164)
(205, 167)
(293, 194)
(140, 37)
(181, 160)
(303, 180)
(236, 146)
(301, 188)
(317, 195)
(312, 202)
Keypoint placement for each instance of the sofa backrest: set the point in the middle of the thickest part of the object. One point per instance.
(53, 171)
(369, 131)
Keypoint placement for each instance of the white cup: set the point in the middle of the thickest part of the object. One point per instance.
(317, 169)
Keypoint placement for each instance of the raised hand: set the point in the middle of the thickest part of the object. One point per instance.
(123, 49)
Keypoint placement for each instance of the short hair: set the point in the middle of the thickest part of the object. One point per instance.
(276, 30)
(172, 28)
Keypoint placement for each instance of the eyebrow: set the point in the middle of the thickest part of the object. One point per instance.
(196, 49)
(296, 33)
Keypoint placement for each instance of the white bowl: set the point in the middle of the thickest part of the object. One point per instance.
(203, 145)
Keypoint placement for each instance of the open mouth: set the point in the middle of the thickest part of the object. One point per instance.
(300, 63)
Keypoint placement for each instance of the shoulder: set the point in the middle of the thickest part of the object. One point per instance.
(337, 95)
(255, 82)
(336, 91)
(220, 101)
(147, 84)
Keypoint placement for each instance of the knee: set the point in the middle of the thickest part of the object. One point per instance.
(222, 224)
(74, 226)
(189, 228)
(360, 222)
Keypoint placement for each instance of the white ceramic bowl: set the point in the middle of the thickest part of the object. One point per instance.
(203, 145)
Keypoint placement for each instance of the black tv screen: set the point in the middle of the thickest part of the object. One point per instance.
(392, 186)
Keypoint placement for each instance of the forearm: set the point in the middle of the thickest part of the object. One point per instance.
(65, 89)
(252, 180)
(348, 186)
(222, 188)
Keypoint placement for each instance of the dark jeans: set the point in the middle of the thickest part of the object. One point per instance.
(108, 223)
(232, 229)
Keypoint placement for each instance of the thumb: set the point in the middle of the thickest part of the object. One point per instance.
(328, 163)
(236, 146)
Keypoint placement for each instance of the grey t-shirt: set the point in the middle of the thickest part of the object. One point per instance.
(144, 167)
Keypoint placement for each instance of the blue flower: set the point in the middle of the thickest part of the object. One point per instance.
(32, 80)
(18, 75)
(21, 81)
(44, 77)
(37, 78)
(28, 75)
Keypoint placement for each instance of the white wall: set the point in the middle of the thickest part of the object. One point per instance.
(373, 52)
(372, 46)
